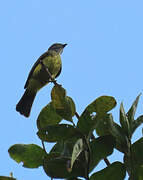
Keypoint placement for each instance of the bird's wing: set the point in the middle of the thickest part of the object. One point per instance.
(34, 66)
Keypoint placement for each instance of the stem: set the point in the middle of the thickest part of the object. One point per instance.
(131, 160)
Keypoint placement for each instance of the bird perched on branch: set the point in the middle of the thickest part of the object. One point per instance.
(38, 76)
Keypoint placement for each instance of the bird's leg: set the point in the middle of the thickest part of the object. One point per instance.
(51, 78)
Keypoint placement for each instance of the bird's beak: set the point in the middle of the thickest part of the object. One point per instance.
(64, 45)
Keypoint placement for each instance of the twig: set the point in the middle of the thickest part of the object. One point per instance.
(106, 161)
(44, 146)
(51, 78)
(77, 115)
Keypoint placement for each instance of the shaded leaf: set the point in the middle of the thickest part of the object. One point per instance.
(101, 148)
(124, 121)
(140, 173)
(132, 110)
(135, 160)
(6, 178)
(102, 105)
(102, 128)
(54, 133)
(30, 154)
(115, 171)
(136, 124)
(117, 132)
(87, 122)
(57, 167)
(77, 149)
(48, 116)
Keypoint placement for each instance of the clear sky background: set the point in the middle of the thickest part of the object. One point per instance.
(104, 56)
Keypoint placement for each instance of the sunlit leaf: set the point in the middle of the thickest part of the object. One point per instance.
(115, 171)
(30, 154)
(64, 105)
(102, 105)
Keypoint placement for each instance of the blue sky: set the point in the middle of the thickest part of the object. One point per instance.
(104, 56)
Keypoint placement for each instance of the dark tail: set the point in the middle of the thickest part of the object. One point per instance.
(25, 103)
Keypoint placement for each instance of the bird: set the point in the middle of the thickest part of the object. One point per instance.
(39, 77)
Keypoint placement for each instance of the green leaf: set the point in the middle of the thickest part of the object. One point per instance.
(101, 148)
(135, 160)
(48, 116)
(87, 122)
(58, 95)
(63, 104)
(132, 110)
(136, 124)
(102, 105)
(54, 133)
(58, 167)
(30, 154)
(140, 173)
(6, 178)
(117, 132)
(78, 148)
(102, 128)
(124, 121)
(115, 171)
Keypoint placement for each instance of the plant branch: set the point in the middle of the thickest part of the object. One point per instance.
(107, 161)
(77, 115)
(51, 78)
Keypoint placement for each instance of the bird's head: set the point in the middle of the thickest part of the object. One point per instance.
(57, 47)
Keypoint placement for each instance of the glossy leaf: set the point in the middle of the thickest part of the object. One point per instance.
(124, 120)
(115, 171)
(101, 148)
(102, 105)
(132, 110)
(77, 149)
(48, 116)
(54, 133)
(30, 154)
